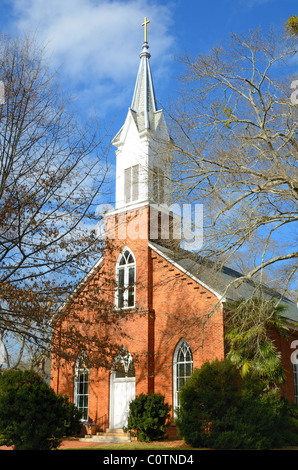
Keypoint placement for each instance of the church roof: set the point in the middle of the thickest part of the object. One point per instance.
(221, 281)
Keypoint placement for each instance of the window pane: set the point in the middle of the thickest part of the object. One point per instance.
(130, 259)
(188, 369)
(121, 277)
(181, 382)
(180, 356)
(188, 356)
(80, 388)
(120, 298)
(183, 368)
(131, 297)
(125, 293)
(131, 276)
(82, 391)
(80, 402)
(120, 293)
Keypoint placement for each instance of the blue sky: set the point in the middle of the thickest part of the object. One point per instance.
(97, 42)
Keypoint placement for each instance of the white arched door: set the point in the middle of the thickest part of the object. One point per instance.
(122, 390)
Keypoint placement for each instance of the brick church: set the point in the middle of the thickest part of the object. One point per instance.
(171, 305)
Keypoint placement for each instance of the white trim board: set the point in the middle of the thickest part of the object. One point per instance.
(178, 266)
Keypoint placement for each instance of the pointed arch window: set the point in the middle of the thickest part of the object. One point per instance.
(182, 368)
(125, 279)
(81, 386)
(123, 365)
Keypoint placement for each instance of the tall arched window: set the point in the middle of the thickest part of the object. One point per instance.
(81, 385)
(125, 279)
(182, 368)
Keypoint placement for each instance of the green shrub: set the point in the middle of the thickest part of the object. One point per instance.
(148, 417)
(32, 416)
(72, 417)
(219, 411)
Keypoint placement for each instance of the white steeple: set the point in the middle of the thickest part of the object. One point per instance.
(144, 102)
(142, 158)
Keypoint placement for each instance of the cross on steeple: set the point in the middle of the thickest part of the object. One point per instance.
(145, 29)
(142, 163)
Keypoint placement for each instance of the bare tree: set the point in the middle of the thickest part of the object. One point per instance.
(235, 129)
(52, 173)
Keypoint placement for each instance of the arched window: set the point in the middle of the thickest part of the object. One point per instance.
(123, 364)
(81, 385)
(182, 368)
(125, 279)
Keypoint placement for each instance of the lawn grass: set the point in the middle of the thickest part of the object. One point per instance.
(136, 445)
(149, 446)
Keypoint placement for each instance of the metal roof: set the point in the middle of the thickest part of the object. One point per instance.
(226, 283)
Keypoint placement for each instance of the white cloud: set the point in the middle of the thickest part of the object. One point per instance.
(97, 42)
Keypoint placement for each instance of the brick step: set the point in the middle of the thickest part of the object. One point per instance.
(110, 435)
(115, 431)
(107, 439)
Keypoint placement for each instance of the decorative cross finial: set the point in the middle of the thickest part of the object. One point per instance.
(145, 29)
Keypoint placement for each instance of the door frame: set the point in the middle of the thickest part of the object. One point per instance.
(113, 381)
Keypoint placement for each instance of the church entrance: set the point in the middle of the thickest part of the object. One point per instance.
(122, 389)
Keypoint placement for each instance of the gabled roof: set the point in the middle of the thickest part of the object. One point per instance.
(221, 281)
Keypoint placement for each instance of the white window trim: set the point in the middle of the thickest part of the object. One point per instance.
(126, 281)
(78, 369)
(175, 363)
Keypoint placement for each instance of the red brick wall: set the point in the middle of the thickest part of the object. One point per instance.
(169, 306)
(182, 310)
(136, 326)
(284, 345)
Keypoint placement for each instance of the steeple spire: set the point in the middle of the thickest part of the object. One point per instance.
(143, 101)
(142, 144)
